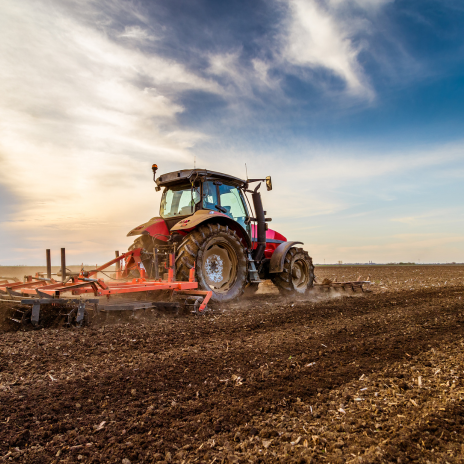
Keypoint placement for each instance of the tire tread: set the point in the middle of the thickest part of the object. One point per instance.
(192, 245)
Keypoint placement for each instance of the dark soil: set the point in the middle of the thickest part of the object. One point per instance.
(366, 378)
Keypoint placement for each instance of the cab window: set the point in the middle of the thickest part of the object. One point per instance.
(232, 201)
(210, 199)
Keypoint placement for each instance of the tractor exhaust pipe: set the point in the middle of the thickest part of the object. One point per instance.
(261, 224)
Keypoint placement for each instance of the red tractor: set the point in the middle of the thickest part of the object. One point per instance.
(207, 221)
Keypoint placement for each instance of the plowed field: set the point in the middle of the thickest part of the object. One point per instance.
(374, 377)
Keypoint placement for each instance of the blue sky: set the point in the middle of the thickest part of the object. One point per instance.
(355, 107)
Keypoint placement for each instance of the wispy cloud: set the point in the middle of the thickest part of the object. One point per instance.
(326, 35)
(317, 37)
(82, 115)
(77, 106)
(137, 33)
(313, 36)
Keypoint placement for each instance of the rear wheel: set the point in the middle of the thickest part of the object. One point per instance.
(298, 273)
(219, 259)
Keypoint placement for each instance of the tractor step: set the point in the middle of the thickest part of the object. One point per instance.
(252, 271)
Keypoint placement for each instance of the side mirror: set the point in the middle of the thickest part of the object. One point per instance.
(268, 183)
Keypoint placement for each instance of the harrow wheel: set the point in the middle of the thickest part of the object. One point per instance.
(219, 259)
(298, 273)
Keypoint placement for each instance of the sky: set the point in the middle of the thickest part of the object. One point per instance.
(354, 107)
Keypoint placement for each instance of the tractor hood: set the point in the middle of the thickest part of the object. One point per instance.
(156, 227)
(273, 240)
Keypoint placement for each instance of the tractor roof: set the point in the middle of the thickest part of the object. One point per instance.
(177, 177)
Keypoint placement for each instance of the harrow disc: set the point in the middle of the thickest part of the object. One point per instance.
(72, 318)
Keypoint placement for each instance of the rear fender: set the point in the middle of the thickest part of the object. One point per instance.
(278, 258)
(205, 216)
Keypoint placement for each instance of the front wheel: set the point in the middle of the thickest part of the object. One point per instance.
(298, 273)
(219, 259)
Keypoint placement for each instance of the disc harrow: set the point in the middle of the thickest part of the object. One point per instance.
(357, 286)
(67, 298)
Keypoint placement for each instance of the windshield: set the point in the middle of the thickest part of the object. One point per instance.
(179, 201)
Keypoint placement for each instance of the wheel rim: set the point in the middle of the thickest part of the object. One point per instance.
(300, 274)
(220, 267)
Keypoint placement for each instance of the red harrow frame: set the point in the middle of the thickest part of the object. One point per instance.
(38, 290)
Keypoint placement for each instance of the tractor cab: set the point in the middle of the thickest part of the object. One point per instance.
(187, 192)
(180, 201)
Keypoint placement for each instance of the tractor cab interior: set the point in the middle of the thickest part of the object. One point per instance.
(232, 200)
(225, 198)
